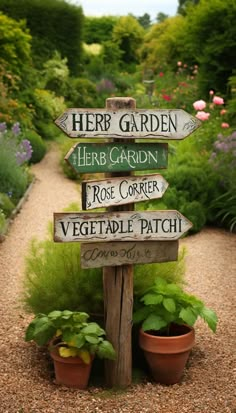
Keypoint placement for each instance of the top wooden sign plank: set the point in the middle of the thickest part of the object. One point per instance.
(96, 123)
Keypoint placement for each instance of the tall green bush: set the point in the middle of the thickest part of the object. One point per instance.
(54, 25)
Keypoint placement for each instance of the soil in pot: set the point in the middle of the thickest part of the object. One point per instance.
(167, 356)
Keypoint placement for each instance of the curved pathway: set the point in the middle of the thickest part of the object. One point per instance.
(209, 383)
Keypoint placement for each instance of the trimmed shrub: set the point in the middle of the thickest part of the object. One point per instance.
(38, 146)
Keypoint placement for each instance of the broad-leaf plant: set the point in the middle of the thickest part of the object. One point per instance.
(165, 304)
(72, 335)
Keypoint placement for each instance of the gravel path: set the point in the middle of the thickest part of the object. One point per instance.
(209, 382)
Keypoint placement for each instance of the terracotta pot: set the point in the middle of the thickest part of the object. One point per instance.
(71, 371)
(167, 356)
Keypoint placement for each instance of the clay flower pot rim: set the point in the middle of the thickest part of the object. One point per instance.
(147, 333)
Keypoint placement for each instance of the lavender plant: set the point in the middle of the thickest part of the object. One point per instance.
(223, 160)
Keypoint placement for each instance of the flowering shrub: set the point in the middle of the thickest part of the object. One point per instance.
(21, 147)
(223, 158)
(223, 161)
(14, 153)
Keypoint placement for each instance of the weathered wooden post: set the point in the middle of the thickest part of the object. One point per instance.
(118, 294)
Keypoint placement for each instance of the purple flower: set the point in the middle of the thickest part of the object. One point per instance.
(16, 129)
(3, 127)
(25, 152)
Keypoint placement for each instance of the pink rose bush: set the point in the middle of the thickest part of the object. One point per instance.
(218, 100)
(199, 105)
(201, 115)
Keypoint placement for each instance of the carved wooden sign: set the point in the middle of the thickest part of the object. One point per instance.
(117, 157)
(120, 226)
(102, 254)
(120, 191)
(156, 123)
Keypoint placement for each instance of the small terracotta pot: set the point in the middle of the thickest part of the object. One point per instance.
(71, 371)
(167, 356)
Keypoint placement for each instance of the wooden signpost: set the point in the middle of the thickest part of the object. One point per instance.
(121, 191)
(102, 254)
(155, 123)
(117, 157)
(121, 237)
(120, 226)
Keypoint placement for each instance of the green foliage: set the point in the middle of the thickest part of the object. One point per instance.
(56, 74)
(223, 162)
(2, 223)
(13, 177)
(210, 35)
(75, 336)
(128, 34)
(98, 29)
(166, 303)
(224, 209)
(161, 43)
(54, 279)
(47, 107)
(38, 146)
(171, 271)
(54, 25)
(6, 205)
(14, 44)
(82, 93)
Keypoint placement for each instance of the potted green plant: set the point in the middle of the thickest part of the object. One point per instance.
(167, 315)
(73, 343)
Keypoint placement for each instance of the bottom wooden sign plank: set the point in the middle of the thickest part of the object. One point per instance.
(104, 254)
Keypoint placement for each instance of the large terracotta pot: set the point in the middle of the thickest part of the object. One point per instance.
(167, 356)
(71, 371)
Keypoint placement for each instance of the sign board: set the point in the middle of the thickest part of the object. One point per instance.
(117, 157)
(120, 191)
(146, 123)
(120, 226)
(121, 253)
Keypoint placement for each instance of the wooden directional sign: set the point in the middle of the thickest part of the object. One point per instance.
(120, 226)
(120, 191)
(120, 253)
(159, 123)
(117, 157)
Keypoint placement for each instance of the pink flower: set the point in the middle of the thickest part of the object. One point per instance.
(179, 63)
(223, 111)
(211, 92)
(199, 105)
(218, 100)
(224, 125)
(202, 115)
(161, 74)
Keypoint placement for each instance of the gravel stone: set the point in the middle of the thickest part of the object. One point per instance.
(26, 374)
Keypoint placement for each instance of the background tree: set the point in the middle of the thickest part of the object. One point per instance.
(128, 34)
(54, 25)
(161, 17)
(145, 20)
(184, 4)
(210, 39)
(98, 29)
